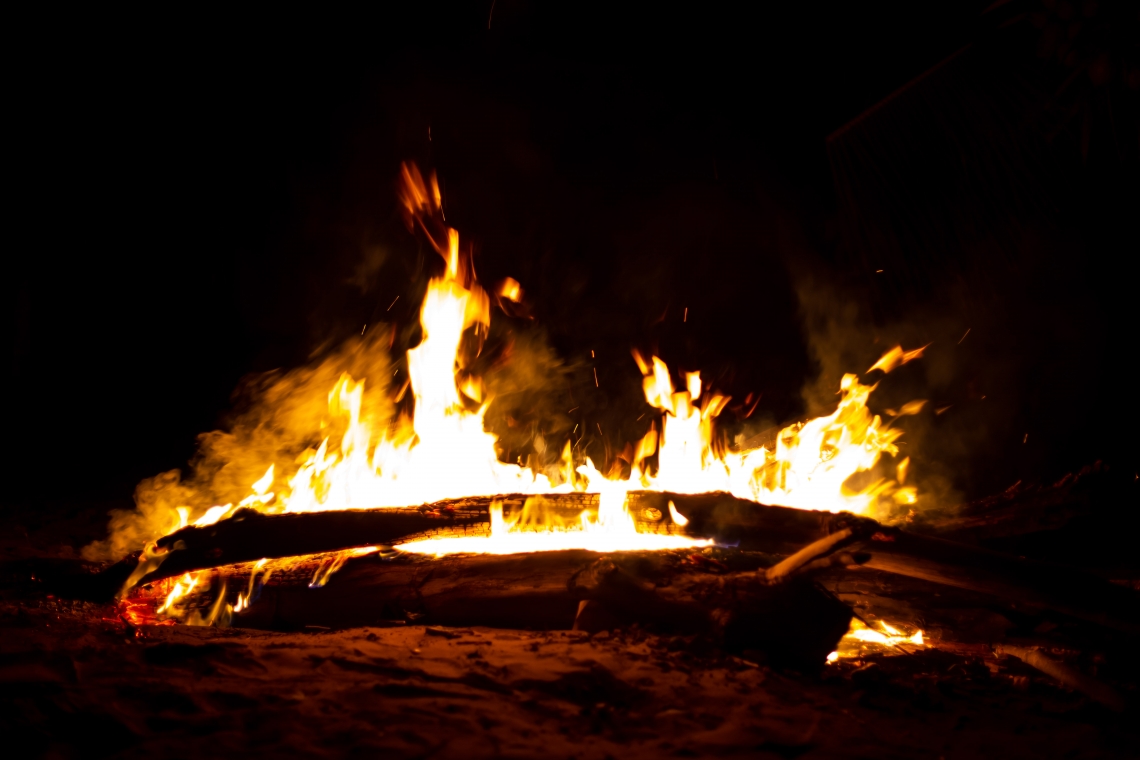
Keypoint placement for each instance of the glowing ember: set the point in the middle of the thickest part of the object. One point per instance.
(861, 640)
(613, 529)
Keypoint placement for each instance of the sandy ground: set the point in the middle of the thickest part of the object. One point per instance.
(76, 684)
(77, 681)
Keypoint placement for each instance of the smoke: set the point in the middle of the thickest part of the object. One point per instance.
(527, 383)
(843, 338)
(1011, 386)
(278, 416)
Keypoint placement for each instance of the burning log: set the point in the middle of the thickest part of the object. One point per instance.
(248, 536)
(729, 521)
(792, 621)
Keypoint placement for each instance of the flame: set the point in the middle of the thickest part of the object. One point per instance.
(443, 450)
(886, 636)
(897, 357)
(246, 598)
(510, 289)
(182, 588)
(612, 529)
(810, 466)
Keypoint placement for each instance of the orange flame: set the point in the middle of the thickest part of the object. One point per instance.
(896, 357)
(810, 466)
(862, 639)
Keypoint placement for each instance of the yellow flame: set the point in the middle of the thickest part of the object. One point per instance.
(678, 518)
(181, 589)
(855, 642)
(261, 487)
(510, 289)
(897, 357)
(809, 468)
(611, 529)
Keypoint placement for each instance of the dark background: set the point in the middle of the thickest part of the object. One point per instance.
(197, 197)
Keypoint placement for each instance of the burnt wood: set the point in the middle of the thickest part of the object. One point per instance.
(782, 530)
(248, 536)
(793, 623)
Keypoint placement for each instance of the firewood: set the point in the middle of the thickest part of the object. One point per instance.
(728, 520)
(248, 536)
(1019, 581)
(811, 553)
(778, 529)
(793, 622)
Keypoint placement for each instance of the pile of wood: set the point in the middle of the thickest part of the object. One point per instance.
(759, 595)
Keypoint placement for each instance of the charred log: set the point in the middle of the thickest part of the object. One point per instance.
(793, 623)
(249, 536)
(737, 522)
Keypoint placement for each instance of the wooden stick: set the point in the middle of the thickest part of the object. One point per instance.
(1067, 676)
(783, 570)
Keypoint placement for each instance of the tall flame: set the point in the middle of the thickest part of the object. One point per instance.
(447, 453)
(809, 467)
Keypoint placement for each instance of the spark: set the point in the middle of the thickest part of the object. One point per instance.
(362, 329)
(489, 15)
(397, 298)
(964, 336)
(686, 317)
(596, 378)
